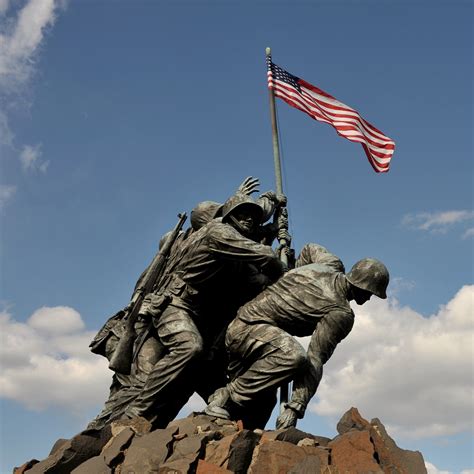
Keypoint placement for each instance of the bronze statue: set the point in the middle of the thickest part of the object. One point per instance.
(312, 299)
(149, 348)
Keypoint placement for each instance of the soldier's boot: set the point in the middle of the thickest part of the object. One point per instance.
(219, 404)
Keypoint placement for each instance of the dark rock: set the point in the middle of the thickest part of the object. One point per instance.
(73, 453)
(186, 453)
(294, 436)
(190, 448)
(198, 423)
(113, 451)
(351, 420)
(94, 465)
(25, 467)
(354, 452)
(392, 459)
(148, 452)
(241, 451)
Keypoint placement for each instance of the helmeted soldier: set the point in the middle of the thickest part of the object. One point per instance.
(148, 348)
(310, 300)
(214, 261)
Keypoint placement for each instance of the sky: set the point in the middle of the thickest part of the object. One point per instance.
(117, 115)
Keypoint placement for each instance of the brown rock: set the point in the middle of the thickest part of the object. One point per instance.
(354, 452)
(205, 467)
(268, 436)
(351, 420)
(60, 442)
(140, 425)
(279, 457)
(184, 426)
(180, 466)
(191, 448)
(392, 459)
(309, 465)
(113, 451)
(218, 452)
(94, 465)
(148, 452)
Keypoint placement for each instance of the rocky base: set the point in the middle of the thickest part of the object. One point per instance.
(206, 445)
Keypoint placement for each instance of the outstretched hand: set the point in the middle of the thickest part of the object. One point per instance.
(287, 419)
(249, 185)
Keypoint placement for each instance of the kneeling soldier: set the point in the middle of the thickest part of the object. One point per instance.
(310, 300)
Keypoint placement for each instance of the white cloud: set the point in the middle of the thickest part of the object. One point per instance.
(56, 321)
(21, 39)
(414, 373)
(22, 33)
(6, 135)
(399, 285)
(46, 362)
(6, 193)
(432, 469)
(468, 233)
(30, 158)
(437, 222)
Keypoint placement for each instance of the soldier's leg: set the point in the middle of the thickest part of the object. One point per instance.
(262, 357)
(328, 333)
(271, 357)
(183, 343)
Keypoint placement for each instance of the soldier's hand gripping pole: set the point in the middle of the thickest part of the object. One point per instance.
(121, 360)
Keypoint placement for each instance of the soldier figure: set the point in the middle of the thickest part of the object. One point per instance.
(213, 261)
(148, 348)
(310, 300)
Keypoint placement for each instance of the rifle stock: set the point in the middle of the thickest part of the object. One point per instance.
(122, 357)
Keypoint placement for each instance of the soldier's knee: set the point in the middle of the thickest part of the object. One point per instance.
(299, 360)
(193, 346)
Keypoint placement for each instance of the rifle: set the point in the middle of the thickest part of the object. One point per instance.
(121, 360)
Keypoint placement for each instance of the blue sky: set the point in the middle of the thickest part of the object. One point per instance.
(117, 115)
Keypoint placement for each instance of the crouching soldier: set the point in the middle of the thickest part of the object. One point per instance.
(312, 300)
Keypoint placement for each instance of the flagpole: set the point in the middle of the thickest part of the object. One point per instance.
(279, 189)
(276, 143)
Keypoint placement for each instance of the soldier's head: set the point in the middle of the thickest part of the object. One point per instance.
(242, 213)
(368, 277)
(204, 212)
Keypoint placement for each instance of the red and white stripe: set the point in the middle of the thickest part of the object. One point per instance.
(348, 123)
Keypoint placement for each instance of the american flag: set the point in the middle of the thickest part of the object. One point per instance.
(325, 108)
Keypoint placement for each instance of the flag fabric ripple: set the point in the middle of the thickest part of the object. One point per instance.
(325, 108)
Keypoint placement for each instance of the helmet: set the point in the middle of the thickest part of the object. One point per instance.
(204, 212)
(243, 201)
(371, 275)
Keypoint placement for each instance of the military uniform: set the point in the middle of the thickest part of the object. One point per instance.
(310, 300)
(212, 262)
